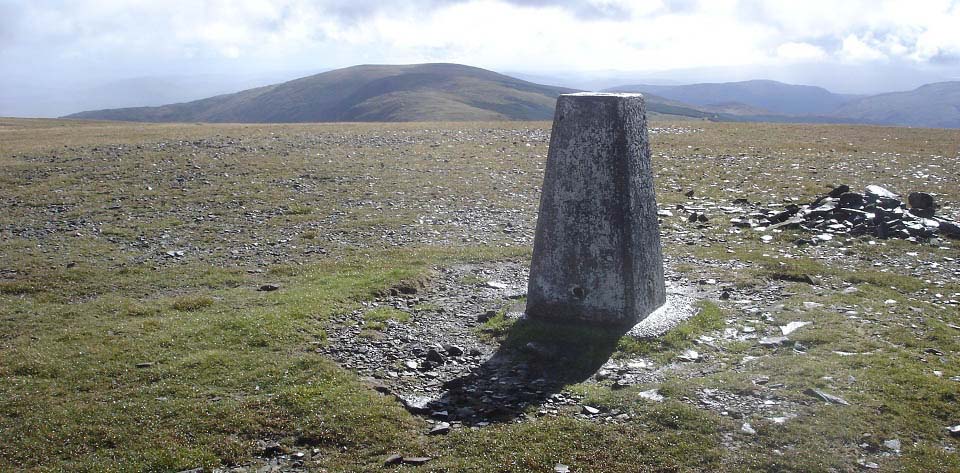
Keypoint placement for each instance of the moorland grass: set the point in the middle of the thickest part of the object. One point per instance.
(117, 357)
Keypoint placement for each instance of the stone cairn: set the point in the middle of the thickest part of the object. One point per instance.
(596, 254)
(876, 212)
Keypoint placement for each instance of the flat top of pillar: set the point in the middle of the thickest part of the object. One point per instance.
(603, 94)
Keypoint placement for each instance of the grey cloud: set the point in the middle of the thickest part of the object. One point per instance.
(943, 58)
(582, 9)
(10, 20)
(358, 10)
(681, 6)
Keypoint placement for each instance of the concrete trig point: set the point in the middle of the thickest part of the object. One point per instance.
(596, 255)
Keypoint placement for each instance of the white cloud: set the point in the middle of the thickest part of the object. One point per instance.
(857, 50)
(800, 51)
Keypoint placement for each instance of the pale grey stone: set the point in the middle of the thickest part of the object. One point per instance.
(597, 254)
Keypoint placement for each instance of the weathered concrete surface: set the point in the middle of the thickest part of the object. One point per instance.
(596, 254)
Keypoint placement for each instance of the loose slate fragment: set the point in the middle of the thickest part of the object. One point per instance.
(893, 445)
(773, 341)
(442, 428)
(792, 327)
(827, 397)
(882, 192)
(689, 355)
(494, 285)
(651, 395)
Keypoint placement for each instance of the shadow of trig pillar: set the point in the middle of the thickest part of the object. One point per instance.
(596, 254)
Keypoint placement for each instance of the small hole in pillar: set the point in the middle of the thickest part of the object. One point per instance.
(579, 292)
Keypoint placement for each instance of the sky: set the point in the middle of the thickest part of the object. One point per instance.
(61, 54)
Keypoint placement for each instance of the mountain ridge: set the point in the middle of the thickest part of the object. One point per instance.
(769, 95)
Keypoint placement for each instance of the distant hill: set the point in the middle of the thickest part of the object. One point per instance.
(932, 105)
(454, 92)
(755, 95)
(388, 93)
(364, 93)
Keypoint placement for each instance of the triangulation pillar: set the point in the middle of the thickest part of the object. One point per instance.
(596, 255)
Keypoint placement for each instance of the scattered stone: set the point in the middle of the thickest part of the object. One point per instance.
(877, 191)
(651, 395)
(454, 350)
(495, 285)
(416, 460)
(561, 468)
(394, 459)
(270, 449)
(486, 316)
(434, 356)
(538, 349)
(689, 355)
(590, 410)
(748, 429)
(954, 430)
(826, 397)
(441, 428)
(781, 419)
(792, 327)
(146, 364)
(194, 470)
(812, 305)
(773, 341)
(416, 404)
(839, 190)
(268, 287)
(868, 465)
(921, 204)
(892, 445)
